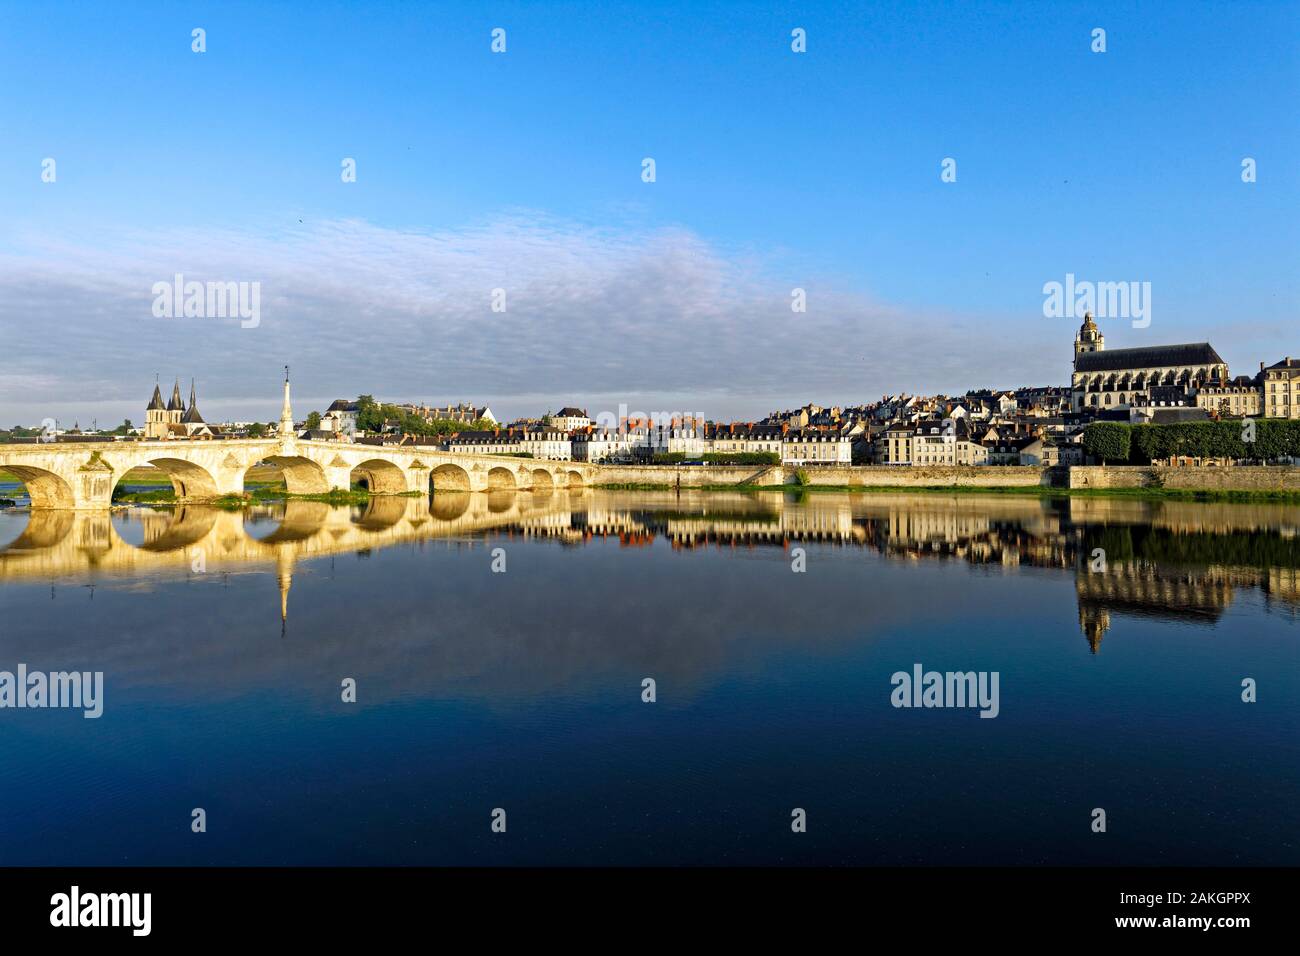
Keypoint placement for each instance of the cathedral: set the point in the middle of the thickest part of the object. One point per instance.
(175, 420)
(1147, 377)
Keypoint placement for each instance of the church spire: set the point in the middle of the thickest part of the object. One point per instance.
(192, 416)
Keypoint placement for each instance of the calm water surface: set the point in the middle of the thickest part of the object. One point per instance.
(223, 638)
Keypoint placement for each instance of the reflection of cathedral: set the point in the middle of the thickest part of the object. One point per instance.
(1147, 591)
(174, 420)
(1094, 621)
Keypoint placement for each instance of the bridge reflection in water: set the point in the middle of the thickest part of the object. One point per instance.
(1167, 559)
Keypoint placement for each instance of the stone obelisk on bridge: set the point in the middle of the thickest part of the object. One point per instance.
(286, 413)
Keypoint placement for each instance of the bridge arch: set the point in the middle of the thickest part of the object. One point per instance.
(542, 480)
(575, 479)
(380, 477)
(449, 477)
(45, 488)
(189, 481)
(302, 476)
(501, 479)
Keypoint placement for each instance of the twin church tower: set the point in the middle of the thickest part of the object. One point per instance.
(174, 420)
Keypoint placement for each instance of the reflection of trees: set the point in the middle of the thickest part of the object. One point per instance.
(1255, 549)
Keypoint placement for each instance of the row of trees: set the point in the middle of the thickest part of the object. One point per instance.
(1262, 440)
(372, 416)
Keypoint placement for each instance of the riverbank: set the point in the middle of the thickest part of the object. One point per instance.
(1029, 491)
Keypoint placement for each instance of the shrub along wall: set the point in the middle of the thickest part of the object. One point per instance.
(1265, 439)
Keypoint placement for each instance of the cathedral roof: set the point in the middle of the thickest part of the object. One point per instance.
(1153, 356)
(176, 405)
(155, 403)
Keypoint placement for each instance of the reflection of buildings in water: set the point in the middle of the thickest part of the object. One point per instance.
(1283, 586)
(1145, 590)
(1033, 538)
(1187, 517)
(978, 530)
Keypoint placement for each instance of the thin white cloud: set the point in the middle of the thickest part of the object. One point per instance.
(593, 314)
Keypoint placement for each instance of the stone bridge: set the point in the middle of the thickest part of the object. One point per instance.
(82, 475)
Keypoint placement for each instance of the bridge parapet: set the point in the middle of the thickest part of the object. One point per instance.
(83, 475)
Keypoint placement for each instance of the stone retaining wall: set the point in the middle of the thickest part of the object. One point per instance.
(1231, 478)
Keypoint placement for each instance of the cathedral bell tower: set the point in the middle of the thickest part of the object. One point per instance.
(1089, 337)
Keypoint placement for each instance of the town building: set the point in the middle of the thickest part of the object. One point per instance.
(602, 445)
(934, 441)
(1241, 397)
(745, 438)
(570, 419)
(341, 417)
(462, 412)
(548, 443)
(1282, 389)
(807, 446)
(507, 441)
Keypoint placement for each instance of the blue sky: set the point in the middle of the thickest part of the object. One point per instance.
(522, 170)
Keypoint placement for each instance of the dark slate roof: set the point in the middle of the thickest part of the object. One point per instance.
(342, 405)
(746, 432)
(192, 416)
(176, 405)
(570, 412)
(155, 403)
(479, 437)
(1154, 356)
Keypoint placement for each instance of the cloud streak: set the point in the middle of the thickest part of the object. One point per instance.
(593, 314)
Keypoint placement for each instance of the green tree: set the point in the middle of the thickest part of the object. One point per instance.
(313, 421)
(370, 417)
(256, 430)
(1108, 441)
